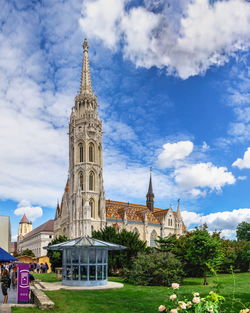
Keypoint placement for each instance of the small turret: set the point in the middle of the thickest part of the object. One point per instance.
(150, 195)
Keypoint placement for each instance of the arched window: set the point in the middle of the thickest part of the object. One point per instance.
(91, 181)
(80, 152)
(91, 152)
(153, 238)
(136, 231)
(92, 207)
(81, 180)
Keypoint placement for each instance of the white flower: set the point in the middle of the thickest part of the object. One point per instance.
(173, 297)
(196, 300)
(161, 308)
(175, 286)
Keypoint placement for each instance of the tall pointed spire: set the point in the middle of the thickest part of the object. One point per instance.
(178, 209)
(85, 87)
(150, 194)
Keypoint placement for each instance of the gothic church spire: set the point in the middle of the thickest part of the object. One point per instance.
(86, 86)
(150, 194)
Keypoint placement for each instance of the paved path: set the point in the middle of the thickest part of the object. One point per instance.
(58, 285)
(5, 308)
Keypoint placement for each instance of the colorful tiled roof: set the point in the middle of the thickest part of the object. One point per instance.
(134, 212)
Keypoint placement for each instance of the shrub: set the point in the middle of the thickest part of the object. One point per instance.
(154, 269)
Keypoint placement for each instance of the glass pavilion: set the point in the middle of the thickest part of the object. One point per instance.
(85, 261)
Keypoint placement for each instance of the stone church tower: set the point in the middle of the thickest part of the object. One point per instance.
(25, 226)
(83, 203)
(83, 207)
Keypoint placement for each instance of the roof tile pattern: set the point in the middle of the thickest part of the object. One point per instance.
(133, 212)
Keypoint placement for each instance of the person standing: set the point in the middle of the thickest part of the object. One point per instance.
(5, 280)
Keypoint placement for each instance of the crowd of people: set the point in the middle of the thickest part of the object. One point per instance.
(39, 268)
(8, 275)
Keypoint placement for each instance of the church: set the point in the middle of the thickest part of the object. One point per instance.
(83, 207)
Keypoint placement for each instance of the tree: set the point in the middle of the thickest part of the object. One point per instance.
(243, 231)
(56, 256)
(203, 251)
(28, 252)
(155, 269)
(167, 244)
(118, 260)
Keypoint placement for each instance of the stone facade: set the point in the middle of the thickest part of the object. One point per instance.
(83, 207)
(83, 204)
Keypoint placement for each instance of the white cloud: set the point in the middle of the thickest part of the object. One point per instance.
(245, 162)
(186, 37)
(226, 221)
(102, 19)
(32, 212)
(174, 151)
(197, 177)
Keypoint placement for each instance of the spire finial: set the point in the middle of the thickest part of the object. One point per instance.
(85, 45)
(86, 87)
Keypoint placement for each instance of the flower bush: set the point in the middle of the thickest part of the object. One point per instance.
(209, 304)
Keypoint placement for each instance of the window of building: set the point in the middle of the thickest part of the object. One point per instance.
(91, 181)
(92, 207)
(80, 152)
(136, 231)
(81, 180)
(153, 239)
(91, 152)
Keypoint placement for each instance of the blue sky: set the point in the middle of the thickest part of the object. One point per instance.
(173, 86)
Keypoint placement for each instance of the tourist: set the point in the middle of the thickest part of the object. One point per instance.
(38, 266)
(5, 280)
(14, 276)
(46, 267)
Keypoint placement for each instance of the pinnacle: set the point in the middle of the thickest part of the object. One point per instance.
(86, 86)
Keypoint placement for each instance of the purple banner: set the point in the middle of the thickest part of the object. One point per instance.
(23, 283)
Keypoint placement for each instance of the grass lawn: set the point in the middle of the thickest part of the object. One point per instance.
(140, 299)
(48, 277)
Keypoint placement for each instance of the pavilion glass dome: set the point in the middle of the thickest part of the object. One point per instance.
(85, 261)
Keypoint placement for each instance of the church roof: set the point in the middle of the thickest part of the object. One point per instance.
(24, 219)
(46, 227)
(134, 212)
